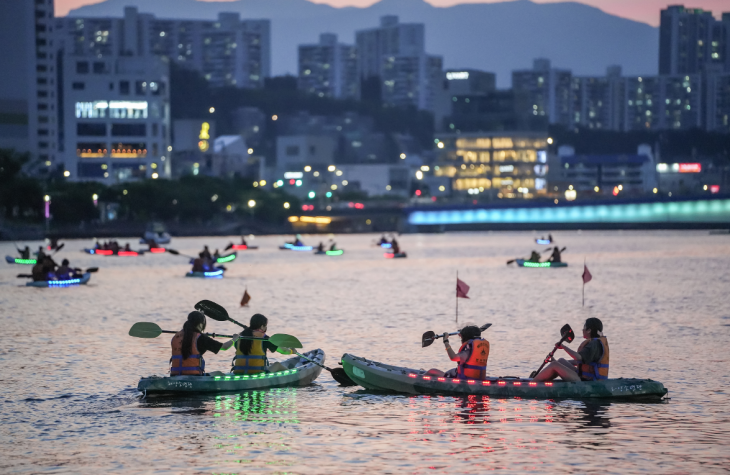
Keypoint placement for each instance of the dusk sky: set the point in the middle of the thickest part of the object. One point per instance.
(646, 11)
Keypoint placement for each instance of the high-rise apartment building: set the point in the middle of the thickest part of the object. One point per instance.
(598, 102)
(329, 68)
(227, 52)
(691, 39)
(28, 77)
(717, 108)
(396, 54)
(548, 89)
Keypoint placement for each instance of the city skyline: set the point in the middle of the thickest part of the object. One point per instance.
(645, 11)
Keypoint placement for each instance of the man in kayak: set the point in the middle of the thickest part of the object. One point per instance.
(206, 253)
(394, 246)
(555, 256)
(589, 363)
(189, 344)
(472, 356)
(333, 247)
(383, 240)
(24, 253)
(64, 271)
(251, 349)
(534, 257)
(320, 248)
(40, 255)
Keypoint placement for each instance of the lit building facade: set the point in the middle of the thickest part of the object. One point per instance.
(718, 103)
(497, 164)
(548, 89)
(329, 69)
(227, 52)
(115, 116)
(597, 102)
(663, 102)
(691, 39)
(28, 82)
(454, 84)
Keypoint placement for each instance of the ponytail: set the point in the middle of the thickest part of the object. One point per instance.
(190, 328)
(257, 321)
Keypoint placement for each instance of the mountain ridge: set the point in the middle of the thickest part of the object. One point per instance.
(573, 35)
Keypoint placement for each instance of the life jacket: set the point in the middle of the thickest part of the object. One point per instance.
(595, 371)
(253, 363)
(475, 366)
(194, 364)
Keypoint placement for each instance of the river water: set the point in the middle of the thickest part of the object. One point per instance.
(69, 370)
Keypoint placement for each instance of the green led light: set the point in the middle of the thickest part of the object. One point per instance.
(236, 377)
(537, 264)
(226, 258)
(227, 378)
(217, 378)
(25, 261)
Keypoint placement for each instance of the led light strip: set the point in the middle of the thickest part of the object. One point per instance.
(473, 381)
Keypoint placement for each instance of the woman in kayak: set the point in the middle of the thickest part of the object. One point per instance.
(251, 353)
(189, 345)
(472, 356)
(589, 363)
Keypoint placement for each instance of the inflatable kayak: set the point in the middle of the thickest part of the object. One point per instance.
(61, 283)
(292, 247)
(390, 255)
(336, 252)
(543, 241)
(26, 262)
(378, 376)
(524, 263)
(227, 258)
(109, 252)
(243, 247)
(214, 274)
(299, 373)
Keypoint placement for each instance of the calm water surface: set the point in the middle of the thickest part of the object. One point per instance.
(69, 370)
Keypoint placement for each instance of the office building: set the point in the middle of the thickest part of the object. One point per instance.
(227, 51)
(691, 39)
(455, 84)
(396, 54)
(28, 82)
(494, 164)
(114, 114)
(548, 90)
(329, 68)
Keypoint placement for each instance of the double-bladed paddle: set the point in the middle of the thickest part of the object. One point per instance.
(153, 330)
(543, 252)
(566, 334)
(429, 337)
(217, 312)
(90, 270)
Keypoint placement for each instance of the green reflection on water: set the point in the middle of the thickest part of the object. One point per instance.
(266, 406)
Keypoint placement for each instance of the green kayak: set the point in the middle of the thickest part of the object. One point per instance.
(300, 372)
(524, 263)
(378, 376)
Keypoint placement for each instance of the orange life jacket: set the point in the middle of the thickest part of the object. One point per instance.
(194, 364)
(475, 366)
(253, 363)
(595, 371)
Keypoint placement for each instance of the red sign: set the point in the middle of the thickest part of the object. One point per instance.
(714, 188)
(690, 167)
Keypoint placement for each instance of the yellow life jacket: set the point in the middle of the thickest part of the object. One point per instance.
(475, 366)
(595, 371)
(253, 363)
(194, 364)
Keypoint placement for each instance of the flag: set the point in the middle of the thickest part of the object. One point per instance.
(586, 274)
(461, 289)
(245, 299)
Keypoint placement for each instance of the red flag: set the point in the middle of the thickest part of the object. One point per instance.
(586, 274)
(246, 298)
(461, 289)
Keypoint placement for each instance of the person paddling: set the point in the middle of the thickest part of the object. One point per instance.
(333, 246)
(472, 356)
(320, 248)
(394, 247)
(190, 344)
(64, 271)
(24, 253)
(534, 257)
(251, 354)
(589, 363)
(555, 256)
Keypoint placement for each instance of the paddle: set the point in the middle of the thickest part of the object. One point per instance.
(229, 246)
(566, 334)
(176, 253)
(90, 270)
(153, 330)
(429, 337)
(59, 248)
(217, 312)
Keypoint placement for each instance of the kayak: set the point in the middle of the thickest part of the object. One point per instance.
(228, 258)
(292, 247)
(378, 376)
(214, 274)
(299, 373)
(26, 262)
(61, 283)
(243, 247)
(336, 252)
(159, 238)
(524, 263)
(390, 255)
(109, 252)
(543, 241)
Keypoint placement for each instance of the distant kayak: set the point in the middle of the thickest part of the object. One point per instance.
(390, 255)
(243, 247)
(61, 283)
(292, 247)
(299, 372)
(336, 252)
(383, 377)
(109, 252)
(386, 245)
(25, 262)
(524, 263)
(214, 274)
(228, 258)
(543, 241)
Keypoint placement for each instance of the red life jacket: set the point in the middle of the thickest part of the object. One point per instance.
(475, 366)
(595, 371)
(193, 365)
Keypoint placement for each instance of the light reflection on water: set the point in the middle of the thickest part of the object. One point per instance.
(70, 370)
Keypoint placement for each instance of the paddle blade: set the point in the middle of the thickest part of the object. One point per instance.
(145, 330)
(24, 276)
(59, 247)
(173, 252)
(287, 341)
(567, 333)
(212, 310)
(91, 270)
(427, 339)
(339, 375)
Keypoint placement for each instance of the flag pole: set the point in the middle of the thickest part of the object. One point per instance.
(457, 297)
(584, 283)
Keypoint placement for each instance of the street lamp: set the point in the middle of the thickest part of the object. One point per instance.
(251, 205)
(95, 199)
(47, 211)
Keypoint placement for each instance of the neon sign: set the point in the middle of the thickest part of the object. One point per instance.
(460, 75)
(690, 167)
(116, 110)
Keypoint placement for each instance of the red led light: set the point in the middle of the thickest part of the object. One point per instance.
(502, 383)
(411, 375)
(442, 379)
(388, 255)
(240, 246)
(359, 206)
(104, 252)
(533, 384)
(548, 384)
(427, 378)
(157, 250)
(291, 182)
(486, 383)
(517, 383)
(127, 253)
(471, 381)
(418, 192)
(455, 380)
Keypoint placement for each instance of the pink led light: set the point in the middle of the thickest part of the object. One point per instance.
(548, 384)
(388, 256)
(157, 250)
(127, 253)
(455, 380)
(442, 379)
(533, 384)
(471, 381)
(517, 383)
(502, 383)
(486, 383)
(411, 375)
(427, 378)
(103, 252)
